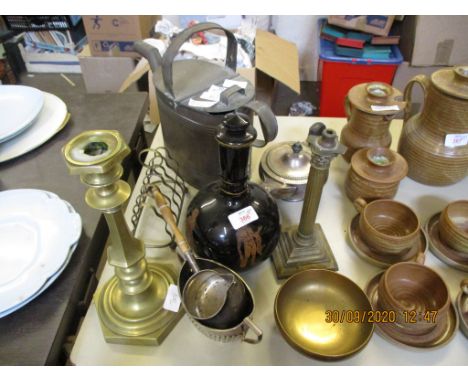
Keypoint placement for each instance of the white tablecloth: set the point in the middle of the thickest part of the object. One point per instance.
(186, 346)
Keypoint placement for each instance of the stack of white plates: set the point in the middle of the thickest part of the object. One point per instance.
(38, 234)
(29, 118)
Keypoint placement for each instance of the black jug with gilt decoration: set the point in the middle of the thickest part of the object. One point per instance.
(232, 220)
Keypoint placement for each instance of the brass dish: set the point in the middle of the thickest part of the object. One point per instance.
(381, 260)
(441, 250)
(446, 333)
(301, 307)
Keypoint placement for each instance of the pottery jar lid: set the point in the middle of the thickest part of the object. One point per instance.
(287, 162)
(452, 81)
(379, 164)
(376, 98)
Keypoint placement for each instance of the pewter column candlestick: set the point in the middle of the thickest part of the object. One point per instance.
(130, 304)
(305, 246)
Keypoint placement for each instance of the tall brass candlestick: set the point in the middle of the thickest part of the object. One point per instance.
(305, 246)
(130, 304)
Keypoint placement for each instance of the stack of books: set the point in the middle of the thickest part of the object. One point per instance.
(62, 41)
(349, 43)
(50, 43)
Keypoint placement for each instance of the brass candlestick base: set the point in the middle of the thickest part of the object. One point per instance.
(148, 323)
(130, 304)
(305, 246)
(294, 253)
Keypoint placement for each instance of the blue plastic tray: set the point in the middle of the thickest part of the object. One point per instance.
(327, 53)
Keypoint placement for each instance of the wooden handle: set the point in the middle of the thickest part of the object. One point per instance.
(168, 216)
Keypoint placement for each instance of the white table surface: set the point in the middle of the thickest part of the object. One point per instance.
(186, 346)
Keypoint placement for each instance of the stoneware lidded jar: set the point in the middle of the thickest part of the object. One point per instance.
(375, 173)
(370, 107)
(434, 141)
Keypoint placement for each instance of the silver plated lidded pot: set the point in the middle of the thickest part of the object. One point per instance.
(284, 169)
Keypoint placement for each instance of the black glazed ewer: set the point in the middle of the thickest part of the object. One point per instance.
(232, 220)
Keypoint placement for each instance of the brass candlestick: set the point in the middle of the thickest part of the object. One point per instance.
(130, 304)
(305, 246)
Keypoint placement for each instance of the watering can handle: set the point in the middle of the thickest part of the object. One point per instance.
(149, 52)
(267, 119)
(423, 81)
(173, 50)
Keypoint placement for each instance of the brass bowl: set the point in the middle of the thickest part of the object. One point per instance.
(301, 307)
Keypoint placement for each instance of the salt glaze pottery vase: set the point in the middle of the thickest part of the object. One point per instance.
(370, 107)
(375, 173)
(234, 221)
(434, 141)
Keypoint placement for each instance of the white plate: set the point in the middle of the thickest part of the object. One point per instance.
(37, 230)
(51, 279)
(47, 284)
(50, 121)
(19, 107)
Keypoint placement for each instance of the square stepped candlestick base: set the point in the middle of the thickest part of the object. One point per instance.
(294, 253)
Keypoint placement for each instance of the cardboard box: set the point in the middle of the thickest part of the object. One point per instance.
(375, 24)
(115, 35)
(39, 61)
(276, 59)
(435, 40)
(105, 74)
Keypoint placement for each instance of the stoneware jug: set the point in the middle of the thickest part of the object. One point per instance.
(434, 141)
(370, 107)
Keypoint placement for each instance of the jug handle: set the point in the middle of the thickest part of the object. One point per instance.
(423, 81)
(420, 258)
(464, 286)
(255, 329)
(149, 52)
(347, 108)
(267, 119)
(360, 204)
(173, 50)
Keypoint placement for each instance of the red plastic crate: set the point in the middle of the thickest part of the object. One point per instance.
(340, 74)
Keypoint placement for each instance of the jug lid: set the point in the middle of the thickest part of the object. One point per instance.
(376, 98)
(191, 78)
(379, 164)
(452, 81)
(287, 162)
